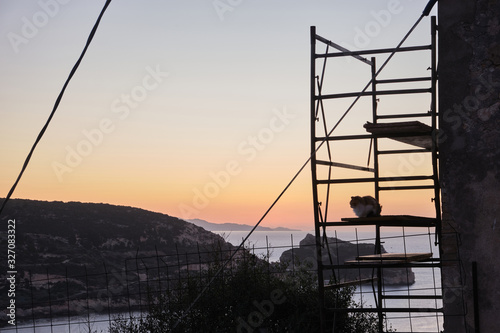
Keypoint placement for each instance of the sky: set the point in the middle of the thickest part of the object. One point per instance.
(196, 109)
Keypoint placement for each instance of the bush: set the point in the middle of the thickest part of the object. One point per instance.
(252, 295)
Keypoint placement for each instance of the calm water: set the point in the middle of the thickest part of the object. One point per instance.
(416, 240)
(273, 244)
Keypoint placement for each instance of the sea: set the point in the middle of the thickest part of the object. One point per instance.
(271, 244)
(394, 240)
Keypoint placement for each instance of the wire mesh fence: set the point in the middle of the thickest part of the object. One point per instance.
(93, 299)
(114, 298)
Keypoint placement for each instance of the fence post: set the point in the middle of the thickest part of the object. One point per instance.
(158, 269)
(87, 290)
(293, 255)
(67, 299)
(138, 280)
(50, 300)
(108, 294)
(32, 302)
(128, 289)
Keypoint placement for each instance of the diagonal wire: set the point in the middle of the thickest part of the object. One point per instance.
(73, 71)
(370, 82)
(425, 13)
(56, 105)
(219, 271)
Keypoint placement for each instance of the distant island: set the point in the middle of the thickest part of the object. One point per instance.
(210, 226)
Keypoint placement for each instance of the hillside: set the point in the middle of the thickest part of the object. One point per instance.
(76, 234)
(56, 240)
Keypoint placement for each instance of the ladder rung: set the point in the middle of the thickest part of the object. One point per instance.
(410, 79)
(368, 52)
(344, 165)
(409, 115)
(376, 93)
(344, 137)
(400, 188)
(412, 297)
(404, 178)
(346, 181)
(381, 179)
(340, 48)
(404, 151)
(374, 310)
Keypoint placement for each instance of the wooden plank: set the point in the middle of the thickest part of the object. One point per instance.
(374, 262)
(401, 127)
(349, 283)
(395, 257)
(431, 263)
(413, 133)
(392, 220)
(385, 310)
(390, 217)
(417, 141)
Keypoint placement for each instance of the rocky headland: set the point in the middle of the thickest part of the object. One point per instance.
(340, 252)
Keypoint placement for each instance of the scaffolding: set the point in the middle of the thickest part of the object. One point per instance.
(388, 135)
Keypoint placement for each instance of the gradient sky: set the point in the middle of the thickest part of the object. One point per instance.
(197, 109)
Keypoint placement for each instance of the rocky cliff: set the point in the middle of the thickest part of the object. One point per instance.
(340, 251)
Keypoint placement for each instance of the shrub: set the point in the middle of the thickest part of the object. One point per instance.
(251, 295)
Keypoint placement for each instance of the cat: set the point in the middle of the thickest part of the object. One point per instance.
(366, 206)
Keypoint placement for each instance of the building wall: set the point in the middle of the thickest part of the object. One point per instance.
(469, 112)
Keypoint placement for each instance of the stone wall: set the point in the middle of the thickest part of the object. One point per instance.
(469, 112)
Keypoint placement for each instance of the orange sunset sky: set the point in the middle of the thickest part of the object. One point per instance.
(195, 109)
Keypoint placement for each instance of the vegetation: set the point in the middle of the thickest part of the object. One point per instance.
(247, 295)
(76, 250)
(250, 296)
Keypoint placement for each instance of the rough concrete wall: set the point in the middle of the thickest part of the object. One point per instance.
(469, 106)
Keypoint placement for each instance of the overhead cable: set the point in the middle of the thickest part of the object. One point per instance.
(424, 13)
(56, 105)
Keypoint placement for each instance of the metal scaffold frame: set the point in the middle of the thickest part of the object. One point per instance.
(423, 140)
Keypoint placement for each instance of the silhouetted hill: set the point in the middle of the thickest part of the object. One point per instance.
(57, 240)
(76, 234)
